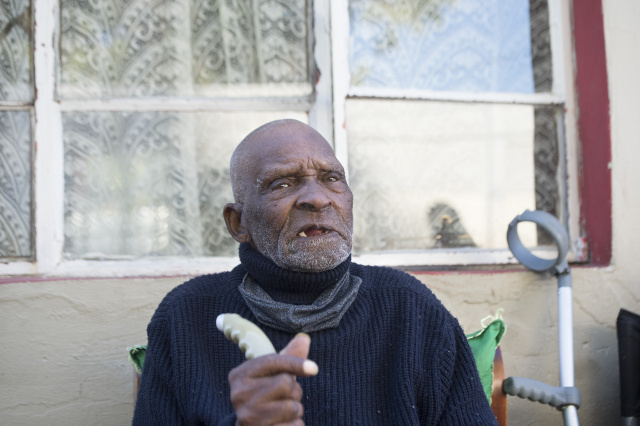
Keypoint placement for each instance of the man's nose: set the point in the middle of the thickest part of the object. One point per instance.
(314, 197)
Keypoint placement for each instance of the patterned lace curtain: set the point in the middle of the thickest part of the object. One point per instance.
(16, 86)
(154, 183)
(429, 174)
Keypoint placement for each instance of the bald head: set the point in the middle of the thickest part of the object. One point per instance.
(257, 143)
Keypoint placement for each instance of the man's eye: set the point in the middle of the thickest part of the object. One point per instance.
(282, 185)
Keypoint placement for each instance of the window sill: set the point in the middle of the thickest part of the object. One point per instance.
(440, 260)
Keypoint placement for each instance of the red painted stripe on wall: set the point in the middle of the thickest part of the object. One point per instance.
(594, 127)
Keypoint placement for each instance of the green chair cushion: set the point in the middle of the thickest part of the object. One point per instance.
(136, 356)
(483, 345)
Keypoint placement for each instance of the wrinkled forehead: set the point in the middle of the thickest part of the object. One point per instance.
(291, 145)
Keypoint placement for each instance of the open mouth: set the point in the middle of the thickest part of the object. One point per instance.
(314, 231)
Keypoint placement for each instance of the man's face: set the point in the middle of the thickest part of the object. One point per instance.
(298, 206)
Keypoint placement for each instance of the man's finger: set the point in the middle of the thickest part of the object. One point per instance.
(278, 412)
(297, 422)
(271, 365)
(298, 346)
(273, 388)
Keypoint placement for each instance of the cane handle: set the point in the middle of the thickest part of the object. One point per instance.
(250, 339)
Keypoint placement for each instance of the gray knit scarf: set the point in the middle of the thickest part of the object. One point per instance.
(325, 312)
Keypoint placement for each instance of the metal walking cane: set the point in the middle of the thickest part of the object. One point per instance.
(566, 397)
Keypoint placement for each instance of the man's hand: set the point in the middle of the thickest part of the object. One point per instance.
(264, 390)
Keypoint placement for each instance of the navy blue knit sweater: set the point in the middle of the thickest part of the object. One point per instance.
(398, 356)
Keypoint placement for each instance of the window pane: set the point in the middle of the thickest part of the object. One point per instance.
(453, 45)
(15, 51)
(445, 175)
(15, 184)
(151, 183)
(137, 48)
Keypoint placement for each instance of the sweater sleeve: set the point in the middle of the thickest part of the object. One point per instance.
(156, 402)
(466, 403)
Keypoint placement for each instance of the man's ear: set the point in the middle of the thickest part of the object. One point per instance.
(233, 218)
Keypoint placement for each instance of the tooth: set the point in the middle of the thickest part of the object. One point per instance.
(302, 234)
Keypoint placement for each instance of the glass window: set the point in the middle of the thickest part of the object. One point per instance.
(433, 174)
(15, 184)
(151, 183)
(140, 48)
(16, 100)
(449, 116)
(452, 45)
(444, 174)
(16, 78)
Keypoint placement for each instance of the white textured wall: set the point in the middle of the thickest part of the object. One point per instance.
(62, 351)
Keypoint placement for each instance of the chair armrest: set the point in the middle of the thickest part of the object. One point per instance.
(499, 398)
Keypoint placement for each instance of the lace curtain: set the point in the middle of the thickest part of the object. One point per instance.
(154, 183)
(461, 45)
(442, 174)
(16, 86)
(16, 81)
(15, 184)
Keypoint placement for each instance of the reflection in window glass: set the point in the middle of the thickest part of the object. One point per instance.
(137, 48)
(452, 45)
(151, 183)
(15, 51)
(446, 175)
(15, 184)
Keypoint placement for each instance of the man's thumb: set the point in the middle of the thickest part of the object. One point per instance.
(298, 346)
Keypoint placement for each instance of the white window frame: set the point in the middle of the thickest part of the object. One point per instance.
(326, 113)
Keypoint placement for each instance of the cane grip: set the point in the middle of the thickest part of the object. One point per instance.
(250, 339)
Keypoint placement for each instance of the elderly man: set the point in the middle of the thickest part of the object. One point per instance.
(360, 345)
